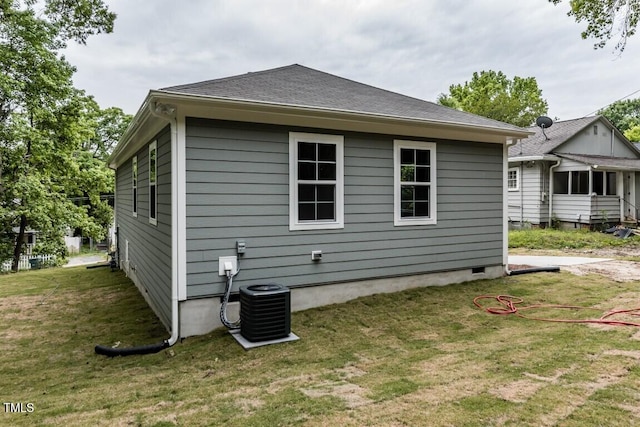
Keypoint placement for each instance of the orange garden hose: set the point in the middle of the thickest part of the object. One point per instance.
(511, 305)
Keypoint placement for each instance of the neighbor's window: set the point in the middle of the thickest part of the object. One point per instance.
(574, 182)
(414, 183)
(153, 188)
(579, 182)
(597, 182)
(134, 184)
(604, 183)
(316, 184)
(561, 182)
(512, 179)
(612, 187)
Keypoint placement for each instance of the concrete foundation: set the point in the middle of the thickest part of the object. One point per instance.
(201, 316)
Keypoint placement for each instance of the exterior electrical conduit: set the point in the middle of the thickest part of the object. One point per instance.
(170, 116)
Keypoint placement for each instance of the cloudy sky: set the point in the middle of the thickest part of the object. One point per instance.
(414, 47)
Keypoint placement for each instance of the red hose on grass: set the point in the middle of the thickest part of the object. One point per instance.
(511, 305)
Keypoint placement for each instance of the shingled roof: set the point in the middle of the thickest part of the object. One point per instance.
(560, 132)
(299, 86)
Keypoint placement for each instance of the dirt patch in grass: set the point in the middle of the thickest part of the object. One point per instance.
(618, 271)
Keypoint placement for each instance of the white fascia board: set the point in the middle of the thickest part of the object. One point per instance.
(544, 157)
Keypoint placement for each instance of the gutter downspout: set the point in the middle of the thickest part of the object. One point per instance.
(505, 204)
(168, 113)
(551, 189)
(521, 186)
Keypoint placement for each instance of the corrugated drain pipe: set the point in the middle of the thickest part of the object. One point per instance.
(170, 115)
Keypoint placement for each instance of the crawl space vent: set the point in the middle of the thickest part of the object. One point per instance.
(265, 312)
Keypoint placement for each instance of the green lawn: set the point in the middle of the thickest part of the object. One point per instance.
(538, 238)
(422, 357)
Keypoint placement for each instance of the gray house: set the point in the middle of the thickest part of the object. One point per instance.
(266, 168)
(577, 172)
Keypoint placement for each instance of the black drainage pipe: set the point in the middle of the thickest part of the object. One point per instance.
(534, 270)
(128, 351)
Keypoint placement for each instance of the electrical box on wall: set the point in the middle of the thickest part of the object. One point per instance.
(223, 264)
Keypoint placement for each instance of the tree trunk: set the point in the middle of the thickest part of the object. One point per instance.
(19, 241)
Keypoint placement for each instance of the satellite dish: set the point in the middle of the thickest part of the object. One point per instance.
(544, 122)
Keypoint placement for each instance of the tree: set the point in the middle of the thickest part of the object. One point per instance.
(633, 134)
(491, 94)
(44, 120)
(623, 114)
(110, 124)
(606, 19)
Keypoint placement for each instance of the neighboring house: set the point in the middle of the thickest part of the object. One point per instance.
(577, 172)
(396, 192)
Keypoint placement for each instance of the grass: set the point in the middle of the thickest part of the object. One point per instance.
(421, 357)
(563, 239)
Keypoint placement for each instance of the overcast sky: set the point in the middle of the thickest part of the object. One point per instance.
(414, 47)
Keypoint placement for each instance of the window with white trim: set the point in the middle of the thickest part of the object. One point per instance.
(153, 187)
(512, 179)
(316, 181)
(414, 183)
(134, 185)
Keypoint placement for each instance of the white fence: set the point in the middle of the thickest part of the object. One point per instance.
(27, 262)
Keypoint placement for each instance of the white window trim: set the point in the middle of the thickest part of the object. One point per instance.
(398, 220)
(134, 186)
(153, 146)
(517, 171)
(338, 141)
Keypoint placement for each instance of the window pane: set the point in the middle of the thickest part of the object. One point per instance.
(306, 211)
(407, 174)
(326, 152)
(512, 180)
(598, 182)
(152, 201)
(307, 171)
(422, 174)
(406, 156)
(423, 157)
(306, 151)
(422, 192)
(306, 193)
(579, 182)
(152, 166)
(135, 199)
(326, 211)
(561, 183)
(326, 193)
(135, 171)
(406, 209)
(422, 209)
(406, 193)
(327, 171)
(612, 188)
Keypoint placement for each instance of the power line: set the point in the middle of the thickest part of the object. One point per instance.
(602, 108)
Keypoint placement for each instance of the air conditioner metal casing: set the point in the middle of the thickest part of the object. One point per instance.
(265, 312)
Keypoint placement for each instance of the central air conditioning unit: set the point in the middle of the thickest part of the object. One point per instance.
(265, 312)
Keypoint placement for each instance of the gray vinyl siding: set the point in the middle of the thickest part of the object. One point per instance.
(238, 188)
(149, 245)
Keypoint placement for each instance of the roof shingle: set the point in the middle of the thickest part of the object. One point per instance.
(296, 85)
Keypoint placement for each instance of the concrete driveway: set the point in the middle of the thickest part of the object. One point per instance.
(87, 260)
(552, 261)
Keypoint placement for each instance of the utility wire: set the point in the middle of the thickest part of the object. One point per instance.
(602, 108)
